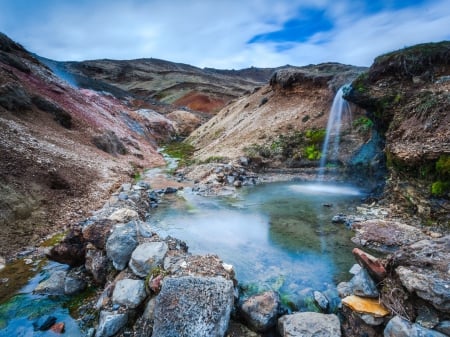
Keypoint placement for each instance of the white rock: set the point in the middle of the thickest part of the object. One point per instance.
(130, 293)
(124, 215)
(146, 256)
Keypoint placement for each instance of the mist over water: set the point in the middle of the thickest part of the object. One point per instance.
(276, 233)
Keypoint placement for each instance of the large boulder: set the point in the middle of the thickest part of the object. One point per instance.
(54, 285)
(121, 243)
(193, 306)
(110, 323)
(147, 256)
(261, 311)
(97, 232)
(309, 324)
(398, 327)
(130, 293)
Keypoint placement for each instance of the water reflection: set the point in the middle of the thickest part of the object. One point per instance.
(279, 235)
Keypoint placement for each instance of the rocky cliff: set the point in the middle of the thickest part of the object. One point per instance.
(406, 94)
(62, 149)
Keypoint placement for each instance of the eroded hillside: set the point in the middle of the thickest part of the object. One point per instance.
(280, 120)
(62, 149)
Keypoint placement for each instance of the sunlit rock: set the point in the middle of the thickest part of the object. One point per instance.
(366, 305)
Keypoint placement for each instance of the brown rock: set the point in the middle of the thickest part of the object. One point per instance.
(366, 306)
(155, 283)
(98, 232)
(58, 327)
(373, 265)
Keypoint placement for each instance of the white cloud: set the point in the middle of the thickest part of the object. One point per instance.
(215, 33)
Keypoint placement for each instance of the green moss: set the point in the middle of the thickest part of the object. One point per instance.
(363, 124)
(443, 165)
(440, 188)
(213, 159)
(55, 239)
(312, 153)
(180, 150)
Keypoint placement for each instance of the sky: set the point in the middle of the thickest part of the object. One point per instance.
(224, 34)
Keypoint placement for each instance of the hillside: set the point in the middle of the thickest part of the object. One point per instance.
(296, 100)
(181, 85)
(62, 149)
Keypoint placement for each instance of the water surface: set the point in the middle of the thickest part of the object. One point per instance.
(277, 236)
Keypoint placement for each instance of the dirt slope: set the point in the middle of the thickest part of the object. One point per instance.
(296, 100)
(62, 150)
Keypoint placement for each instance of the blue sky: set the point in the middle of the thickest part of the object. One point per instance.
(224, 33)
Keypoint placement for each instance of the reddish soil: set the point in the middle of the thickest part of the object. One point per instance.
(200, 102)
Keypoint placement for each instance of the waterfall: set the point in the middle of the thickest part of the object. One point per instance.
(339, 107)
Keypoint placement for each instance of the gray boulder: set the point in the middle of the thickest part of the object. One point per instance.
(430, 285)
(321, 300)
(110, 323)
(363, 285)
(74, 283)
(261, 311)
(121, 243)
(309, 324)
(54, 285)
(193, 306)
(130, 293)
(398, 327)
(147, 256)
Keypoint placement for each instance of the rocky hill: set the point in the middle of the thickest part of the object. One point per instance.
(181, 85)
(63, 149)
(406, 94)
(279, 123)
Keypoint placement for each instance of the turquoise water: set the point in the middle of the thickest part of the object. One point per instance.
(21, 309)
(277, 236)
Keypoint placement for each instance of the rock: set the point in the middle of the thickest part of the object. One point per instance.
(371, 264)
(13, 97)
(237, 183)
(109, 143)
(97, 264)
(237, 329)
(339, 219)
(125, 187)
(427, 317)
(444, 327)
(244, 161)
(110, 323)
(130, 293)
(121, 243)
(355, 269)
(261, 311)
(193, 306)
(365, 306)
(155, 283)
(356, 324)
(398, 327)
(321, 300)
(71, 250)
(309, 324)
(344, 289)
(362, 285)
(73, 283)
(170, 190)
(123, 196)
(44, 323)
(371, 320)
(2, 262)
(124, 215)
(147, 256)
(153, 196)
(97, 232)
(385, 236)
(59, 115)
(428, 284)
(54, 285)
(58, 328)
(144, 229)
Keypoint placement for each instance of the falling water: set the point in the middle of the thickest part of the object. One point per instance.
(339, 107)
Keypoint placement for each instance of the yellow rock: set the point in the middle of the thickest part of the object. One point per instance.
(363, 305)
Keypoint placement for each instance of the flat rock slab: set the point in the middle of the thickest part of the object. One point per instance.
(193, 306)
(309, 324)
(363, 305)
(385, 236)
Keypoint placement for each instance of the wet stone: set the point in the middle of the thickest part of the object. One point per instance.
(44, 323)
(321, 300)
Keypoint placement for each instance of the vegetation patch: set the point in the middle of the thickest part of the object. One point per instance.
(363, 124)
(180, 150)
(295, 145)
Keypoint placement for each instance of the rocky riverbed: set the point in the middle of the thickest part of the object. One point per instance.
(152, 286)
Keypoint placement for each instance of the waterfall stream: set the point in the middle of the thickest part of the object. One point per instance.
(339, 108)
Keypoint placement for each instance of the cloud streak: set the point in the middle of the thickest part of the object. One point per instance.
(222, 34)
